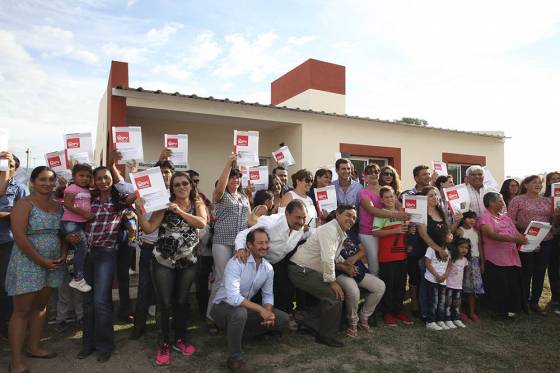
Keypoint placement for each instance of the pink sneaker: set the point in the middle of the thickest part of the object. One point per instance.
(163, 354)
(186, 349)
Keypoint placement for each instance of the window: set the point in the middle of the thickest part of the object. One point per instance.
(458, 171)
(360, 164)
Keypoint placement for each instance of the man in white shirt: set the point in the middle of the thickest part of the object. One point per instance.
(313, 271)
(233, 309)
(285, 231)
(476, 188)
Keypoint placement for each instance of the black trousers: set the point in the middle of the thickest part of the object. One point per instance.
(554, 269)
(503, 288)
(394, 276)
(204, 268)
(284, 290)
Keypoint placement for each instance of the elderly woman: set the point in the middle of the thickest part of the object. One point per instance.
(502, 275)
(524, 208)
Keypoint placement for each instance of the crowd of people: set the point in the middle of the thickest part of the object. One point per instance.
(265, 261)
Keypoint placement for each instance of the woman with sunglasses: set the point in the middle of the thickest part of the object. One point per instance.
(388, 176)
(302, 181)
(174, 260)
(371, 205)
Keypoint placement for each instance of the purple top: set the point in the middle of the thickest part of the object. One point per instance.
(366, 219)
(502, 254)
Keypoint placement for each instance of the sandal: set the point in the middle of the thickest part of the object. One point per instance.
(364, 325)
(352, 331)
(49, 355)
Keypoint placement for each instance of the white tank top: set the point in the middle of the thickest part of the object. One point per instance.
(311, 211)
(472, 235)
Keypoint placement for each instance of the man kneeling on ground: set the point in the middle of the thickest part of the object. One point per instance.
(233, 310)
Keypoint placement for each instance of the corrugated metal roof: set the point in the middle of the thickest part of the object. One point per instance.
(308, 111)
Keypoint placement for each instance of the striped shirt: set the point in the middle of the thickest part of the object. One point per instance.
(232, 213)
(103, 230)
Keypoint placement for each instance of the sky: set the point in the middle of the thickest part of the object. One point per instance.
(476, 65)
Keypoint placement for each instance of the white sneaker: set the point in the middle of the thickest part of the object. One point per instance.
(442, 325)
(450, 325)
(152, 311)
(459, 323)
(432, 326)
(81, 285)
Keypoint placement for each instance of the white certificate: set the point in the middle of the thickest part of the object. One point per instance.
(458, 198)
(536, 231)
(556, 203)
(179, 146)
(149, 185)
(283, 157)
(128, 141)
(4, 164)
(555, 190)
(326, 198)
(57, 161)
(258, 177)
(489, 180)
(246, 146)
(417, 208)
(79, 147)
(440, 168)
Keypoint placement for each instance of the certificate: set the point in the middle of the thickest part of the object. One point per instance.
(4, 164)
(128, 141)
(179, 146)
(57, 161)
(258, 177)
(489, 180)
(457, 198)
(417, 208)
(283, 157)
(536, 231)
(79, 147)
(440, 168)
(150, 187)
(326, 198)
(555, 189)
(246, 146)
(555, 203)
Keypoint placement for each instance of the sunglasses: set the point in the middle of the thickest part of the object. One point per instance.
(181, 184)
(388, 174)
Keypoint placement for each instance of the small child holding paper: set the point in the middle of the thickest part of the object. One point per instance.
(77, 211)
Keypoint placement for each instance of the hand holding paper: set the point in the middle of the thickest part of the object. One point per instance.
(535, 233)
(417, 208)
(150, 187)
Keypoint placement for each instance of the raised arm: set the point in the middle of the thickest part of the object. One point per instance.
(223, 180)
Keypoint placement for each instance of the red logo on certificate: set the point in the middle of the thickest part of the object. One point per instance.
(143, 182)
(242, 140)
(54, 162)
(122, 137)
(254, 175)
(279, 156)
(321, 196)
(556, 192)
(452, 194)
(173, 143)
(533, 231)
(73, 143)
(410, 204)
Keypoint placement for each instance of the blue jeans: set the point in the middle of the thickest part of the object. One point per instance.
(145, 287)
(98, 303)
(80, 249)
(436, 295)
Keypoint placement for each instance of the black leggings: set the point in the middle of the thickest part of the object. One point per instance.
(172, 288)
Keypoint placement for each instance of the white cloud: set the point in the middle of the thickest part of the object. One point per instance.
(128, 54)
(130, 3)
(256, 58)
(301, 40)
(173, 70)
(205, 50)
(56, 42)
(38, 107)
(163, 34)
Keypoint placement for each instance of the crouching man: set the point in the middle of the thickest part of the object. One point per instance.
(233, 310)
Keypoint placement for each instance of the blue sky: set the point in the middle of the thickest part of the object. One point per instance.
(475, 65)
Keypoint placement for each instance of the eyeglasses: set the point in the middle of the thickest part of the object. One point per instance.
(308, 181)
(388, 174)
(181, 184)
